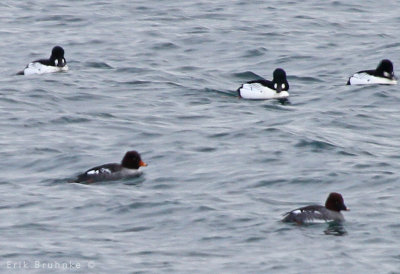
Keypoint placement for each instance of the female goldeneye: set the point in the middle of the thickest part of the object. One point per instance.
(56, 63)
(128, 168)
(330, 212)
(264, 89)
(383, 74)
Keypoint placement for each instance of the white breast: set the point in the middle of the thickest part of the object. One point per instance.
(38, 68)
(367, 79)
(126, 172)
(257, 91)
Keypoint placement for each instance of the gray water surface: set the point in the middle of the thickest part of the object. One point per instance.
(160, 77)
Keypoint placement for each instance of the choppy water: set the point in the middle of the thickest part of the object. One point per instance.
(160, 77)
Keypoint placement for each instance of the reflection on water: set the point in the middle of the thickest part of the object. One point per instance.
(335, 229)
(284, 101)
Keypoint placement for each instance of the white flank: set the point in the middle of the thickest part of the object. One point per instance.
(257, 91)
(367, 79)
(315, 221)
(38, 68)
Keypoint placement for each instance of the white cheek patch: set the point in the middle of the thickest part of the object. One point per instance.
(283, 86)
(387, 74)
(296, 211)
(275, 86)
(56, 62)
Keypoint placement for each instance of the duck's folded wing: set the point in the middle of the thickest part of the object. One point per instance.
(306, 214)
(251, 90)
(365, 78)
(263, 82)
(39, 68)
(98, 172)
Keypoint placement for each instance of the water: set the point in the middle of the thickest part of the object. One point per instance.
(160, 77)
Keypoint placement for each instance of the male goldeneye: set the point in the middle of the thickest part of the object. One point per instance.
(308, 214)
(55, 63)
(383, 74)
(264, 89)
(129, 167)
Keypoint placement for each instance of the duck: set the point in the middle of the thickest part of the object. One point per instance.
(383, 75)
(265, 89)
(129, 167)
(314, 213)
(55, 63)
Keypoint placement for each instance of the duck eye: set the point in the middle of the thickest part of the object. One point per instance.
(275, 85)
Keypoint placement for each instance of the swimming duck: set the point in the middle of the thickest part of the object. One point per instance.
(383, 74)
(308, 214)
(55, 63)
(265, 89)
(129, 167)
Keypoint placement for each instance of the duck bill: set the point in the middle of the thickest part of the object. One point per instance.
(141, 163)
(278, 89)
(344, 207)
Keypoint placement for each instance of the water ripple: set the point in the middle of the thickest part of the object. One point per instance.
(160, 77)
